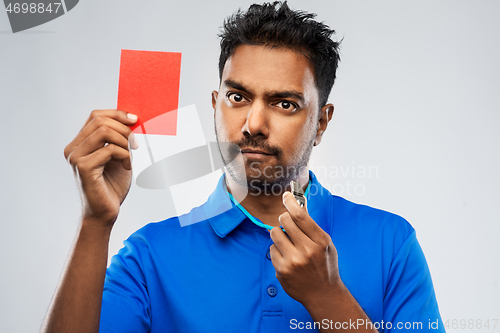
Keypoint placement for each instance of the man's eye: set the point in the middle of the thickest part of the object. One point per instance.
(235, 97)
(286, 105)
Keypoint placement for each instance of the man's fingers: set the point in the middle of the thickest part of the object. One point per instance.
(98, 120)
(102, 156)
(276, 257)
(118, 115)
(282, 242)
(296, 235)
(99, 138)
(301, 218)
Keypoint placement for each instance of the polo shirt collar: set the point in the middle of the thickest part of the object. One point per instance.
(224, 216)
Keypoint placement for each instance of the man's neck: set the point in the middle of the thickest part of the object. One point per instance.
(267, 207)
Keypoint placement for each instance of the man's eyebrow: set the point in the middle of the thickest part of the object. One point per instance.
(286, 94)
(235, 85)
(272, 94)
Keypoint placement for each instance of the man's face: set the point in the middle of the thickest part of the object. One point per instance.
(267, 105)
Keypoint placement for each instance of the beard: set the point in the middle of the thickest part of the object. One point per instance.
(257, 177)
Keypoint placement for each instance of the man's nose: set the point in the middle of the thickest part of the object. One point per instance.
(257, 120)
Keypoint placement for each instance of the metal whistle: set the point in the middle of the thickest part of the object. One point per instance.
(297, 193)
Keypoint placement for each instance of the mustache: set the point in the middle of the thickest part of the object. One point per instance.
(250, 142)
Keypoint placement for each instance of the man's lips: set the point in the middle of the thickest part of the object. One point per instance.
(254, 151)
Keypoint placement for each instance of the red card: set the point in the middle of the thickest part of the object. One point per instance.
(149, 88)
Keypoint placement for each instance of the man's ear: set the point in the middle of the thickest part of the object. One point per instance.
(214, 99)
(326, 114)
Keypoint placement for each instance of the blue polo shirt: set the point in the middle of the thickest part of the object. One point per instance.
(216, 275)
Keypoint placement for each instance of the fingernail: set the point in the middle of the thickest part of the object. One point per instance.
(132, 116)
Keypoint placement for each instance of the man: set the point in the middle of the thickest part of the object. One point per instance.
(329, 266)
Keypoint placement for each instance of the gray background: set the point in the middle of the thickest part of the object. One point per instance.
(417, 98)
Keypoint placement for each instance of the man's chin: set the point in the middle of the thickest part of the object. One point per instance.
(267, 186)
(268, 179)
(255, 180)
(263, 178)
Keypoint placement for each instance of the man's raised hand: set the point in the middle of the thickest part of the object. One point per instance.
(100, 158)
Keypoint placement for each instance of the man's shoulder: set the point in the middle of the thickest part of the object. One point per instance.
(368, 222)
(362, 213)
(345, 215)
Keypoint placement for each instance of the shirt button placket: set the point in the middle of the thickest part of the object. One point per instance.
(271, 290)
(272, 297)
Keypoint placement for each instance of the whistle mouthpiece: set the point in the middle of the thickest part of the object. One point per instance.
(297, 193)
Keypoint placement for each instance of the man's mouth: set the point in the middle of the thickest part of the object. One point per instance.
(254, 151)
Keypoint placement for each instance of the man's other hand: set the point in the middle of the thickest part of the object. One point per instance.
(304, 257)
